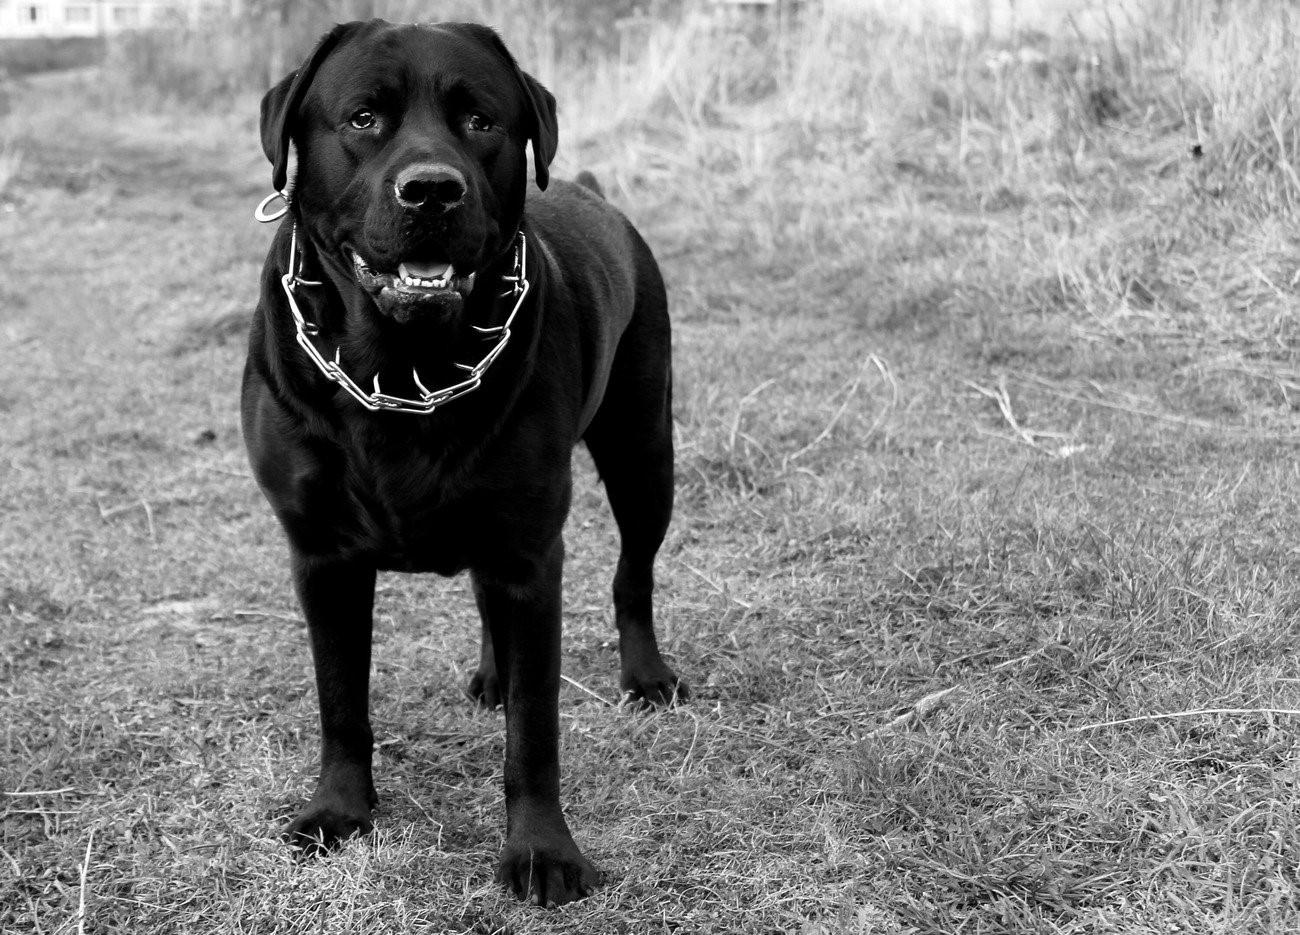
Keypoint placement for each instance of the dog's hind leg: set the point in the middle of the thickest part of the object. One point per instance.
(485, 685)
(631, 441)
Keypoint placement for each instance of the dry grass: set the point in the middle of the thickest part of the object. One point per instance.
(987, 431)
(10, 160)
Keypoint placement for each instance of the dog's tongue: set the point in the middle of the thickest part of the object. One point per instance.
(422, 269)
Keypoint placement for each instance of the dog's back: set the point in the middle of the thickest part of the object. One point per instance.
(605, 277)
(588, 181)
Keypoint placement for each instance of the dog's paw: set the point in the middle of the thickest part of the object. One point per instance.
(485, 689)
(326, 823)
(658, 687)
(548, 871)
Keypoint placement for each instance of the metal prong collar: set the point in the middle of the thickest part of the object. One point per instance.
(430, 400)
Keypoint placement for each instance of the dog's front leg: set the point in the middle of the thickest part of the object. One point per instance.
(338, 600)
(540, 859)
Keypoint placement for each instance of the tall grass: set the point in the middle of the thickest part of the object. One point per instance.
(20, 57)
(207, 58)
(1223, 77)
(1242, 63)
(795, 145)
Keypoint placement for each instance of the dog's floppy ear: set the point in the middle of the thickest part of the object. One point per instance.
(543, 131)
(545, 135)
(280, 104)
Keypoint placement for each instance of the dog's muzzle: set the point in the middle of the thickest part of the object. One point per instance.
(517, 285)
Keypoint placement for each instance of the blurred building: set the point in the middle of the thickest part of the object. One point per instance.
(55, 19)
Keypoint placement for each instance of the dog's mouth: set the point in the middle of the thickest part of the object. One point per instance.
(413, 285)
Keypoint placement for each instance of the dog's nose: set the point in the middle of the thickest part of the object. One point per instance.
(429, 185)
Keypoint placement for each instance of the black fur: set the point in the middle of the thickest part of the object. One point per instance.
(482, 484)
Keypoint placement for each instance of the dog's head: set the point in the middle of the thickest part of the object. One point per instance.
(411, 168)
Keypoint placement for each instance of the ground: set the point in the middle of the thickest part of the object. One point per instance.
(983, 569)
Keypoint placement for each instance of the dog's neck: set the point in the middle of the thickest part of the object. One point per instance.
(434, 349)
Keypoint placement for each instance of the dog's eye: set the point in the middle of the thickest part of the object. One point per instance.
(363, 119)
(479, 124)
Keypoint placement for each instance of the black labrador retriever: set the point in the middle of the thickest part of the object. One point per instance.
(432, 340)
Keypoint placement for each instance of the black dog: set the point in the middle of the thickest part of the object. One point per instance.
(502, 334)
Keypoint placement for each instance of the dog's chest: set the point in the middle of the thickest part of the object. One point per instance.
(408, 511)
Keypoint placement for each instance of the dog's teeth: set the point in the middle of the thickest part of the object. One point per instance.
(444, 279)
(407, 278)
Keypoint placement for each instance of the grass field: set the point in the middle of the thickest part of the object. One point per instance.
(983, 571)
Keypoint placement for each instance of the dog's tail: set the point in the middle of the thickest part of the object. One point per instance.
(588, 181)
